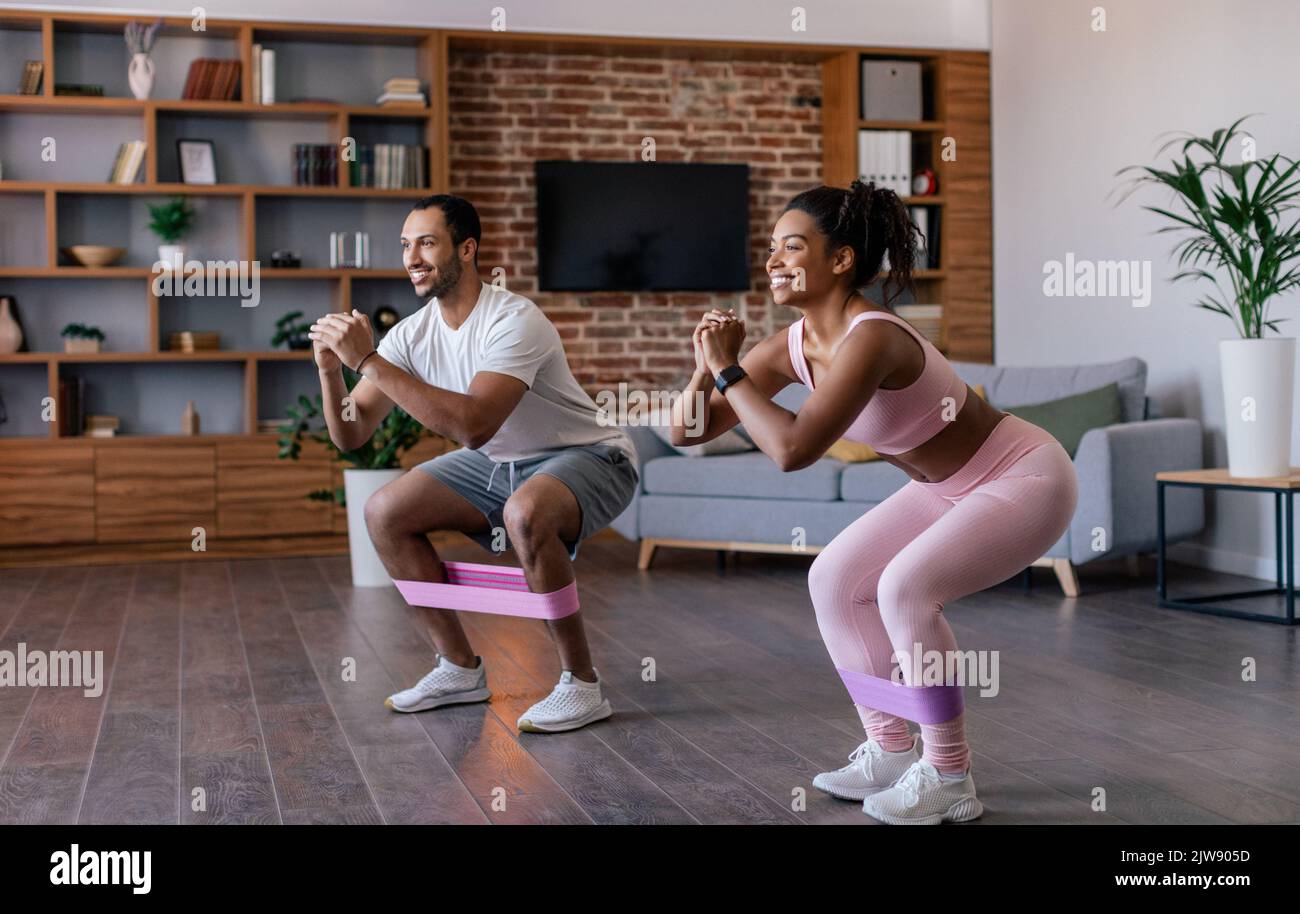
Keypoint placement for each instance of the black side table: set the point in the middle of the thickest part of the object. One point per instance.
(1282, 487)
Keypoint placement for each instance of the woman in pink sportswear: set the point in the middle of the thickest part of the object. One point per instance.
(989, 492)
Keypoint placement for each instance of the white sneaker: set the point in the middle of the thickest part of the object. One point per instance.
(922, 797)
(870, 770)
(571, 704)
(445, 684)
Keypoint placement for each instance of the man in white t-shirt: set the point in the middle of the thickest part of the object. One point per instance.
(484, 367)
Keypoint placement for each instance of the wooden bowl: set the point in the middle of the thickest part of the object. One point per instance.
(94, 255)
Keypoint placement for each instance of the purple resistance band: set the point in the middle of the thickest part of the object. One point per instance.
(923, 704)
(495, 589)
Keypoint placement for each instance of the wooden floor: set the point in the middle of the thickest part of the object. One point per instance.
(228, 701)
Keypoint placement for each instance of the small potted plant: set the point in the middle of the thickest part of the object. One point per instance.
(289, 329)
(375, 464)
(81, 338)
(170, 222)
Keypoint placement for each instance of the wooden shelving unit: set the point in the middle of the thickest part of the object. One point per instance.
(68, 491)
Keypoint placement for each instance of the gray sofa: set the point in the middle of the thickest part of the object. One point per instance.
(743, 502)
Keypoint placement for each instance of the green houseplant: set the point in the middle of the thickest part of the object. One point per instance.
(171, 221)
(374, 465)
(1238, 222)
(81, 338)
(289, 329)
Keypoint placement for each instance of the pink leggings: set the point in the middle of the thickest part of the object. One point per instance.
(881, 585)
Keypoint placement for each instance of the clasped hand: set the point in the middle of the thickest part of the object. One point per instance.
(345, 338)
(717, 340)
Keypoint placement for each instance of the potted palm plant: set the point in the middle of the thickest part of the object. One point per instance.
(1238, 224)
(375, 464)
(170, 221)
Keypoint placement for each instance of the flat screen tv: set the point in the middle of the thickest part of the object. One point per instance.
(642, 226)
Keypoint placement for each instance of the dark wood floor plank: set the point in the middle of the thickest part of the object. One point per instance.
(411, 781)
(134, 775)
(312, 763)
(61, 726)
(508, 784)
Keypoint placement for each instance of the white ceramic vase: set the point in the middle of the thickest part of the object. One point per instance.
(358, 486)
(1258, 378)
(139, 75)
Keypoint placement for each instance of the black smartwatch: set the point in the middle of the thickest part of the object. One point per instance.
(728, 376)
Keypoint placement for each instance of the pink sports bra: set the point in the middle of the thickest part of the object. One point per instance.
(895, 421)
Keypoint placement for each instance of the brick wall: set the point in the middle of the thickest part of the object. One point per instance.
(509, 109)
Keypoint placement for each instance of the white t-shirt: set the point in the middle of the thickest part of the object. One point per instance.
(508, 334)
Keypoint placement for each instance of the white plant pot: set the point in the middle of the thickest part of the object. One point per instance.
(1258, 375)
(358, 486)
(169, 255)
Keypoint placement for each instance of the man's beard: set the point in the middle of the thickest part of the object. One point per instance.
(448, 275)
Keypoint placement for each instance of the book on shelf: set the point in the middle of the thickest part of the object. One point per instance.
(390, 166)
(266, 77)
(927, 319)
(401, 84)
(255, 75)
(89, 89)
(885, 158)
(126, 167)
(212, 78)
(927, 219)
(193, 340)
(402, 100)
(315, 165)
(71, 406)
(102, 426)
(265, 426)
(33, 71)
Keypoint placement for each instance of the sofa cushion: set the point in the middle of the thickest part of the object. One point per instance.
(871, 481)
(1016, 385)
(751, 475)
(1069, 417)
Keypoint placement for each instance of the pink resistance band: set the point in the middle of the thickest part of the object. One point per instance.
(924, 704)
(490, 589)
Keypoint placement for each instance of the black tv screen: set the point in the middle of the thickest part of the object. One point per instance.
(642, 226)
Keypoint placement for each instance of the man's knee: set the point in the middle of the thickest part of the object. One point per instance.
(527, 522)
(382, 513)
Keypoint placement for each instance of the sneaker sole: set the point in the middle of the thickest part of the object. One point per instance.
(601, 711)
(428, 704)
(854, 795)
(961, 811)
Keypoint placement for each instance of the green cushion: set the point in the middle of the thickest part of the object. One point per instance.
(1069, 417)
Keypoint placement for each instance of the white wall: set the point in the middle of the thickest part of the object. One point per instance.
(919, 23)
(1071, 106)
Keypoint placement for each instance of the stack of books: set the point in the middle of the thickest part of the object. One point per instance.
(102, 426)
(271, 426)
(389, 165)
(885, 158)
(33, 70)
(126, 167)
(193, 340)
(928, 319)
(402, 92)
(212, 78)
(315, 165)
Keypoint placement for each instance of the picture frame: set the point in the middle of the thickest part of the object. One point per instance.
(197, 161)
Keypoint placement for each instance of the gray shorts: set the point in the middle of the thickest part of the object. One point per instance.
(601, 477)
